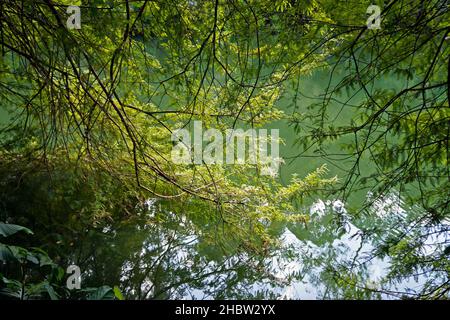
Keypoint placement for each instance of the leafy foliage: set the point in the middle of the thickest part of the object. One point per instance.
(37, 276)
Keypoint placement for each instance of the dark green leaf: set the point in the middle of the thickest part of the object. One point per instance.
(7, 229)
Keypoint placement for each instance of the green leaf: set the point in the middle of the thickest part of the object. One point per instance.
(102, 293)
(51, 292)
(42, 256)
(59, 273)
(32, 258)
(7, 229)
(11, 283)
(10, 293)
(5, 253)
(117, 293)
(9, 253)
(11, 288)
